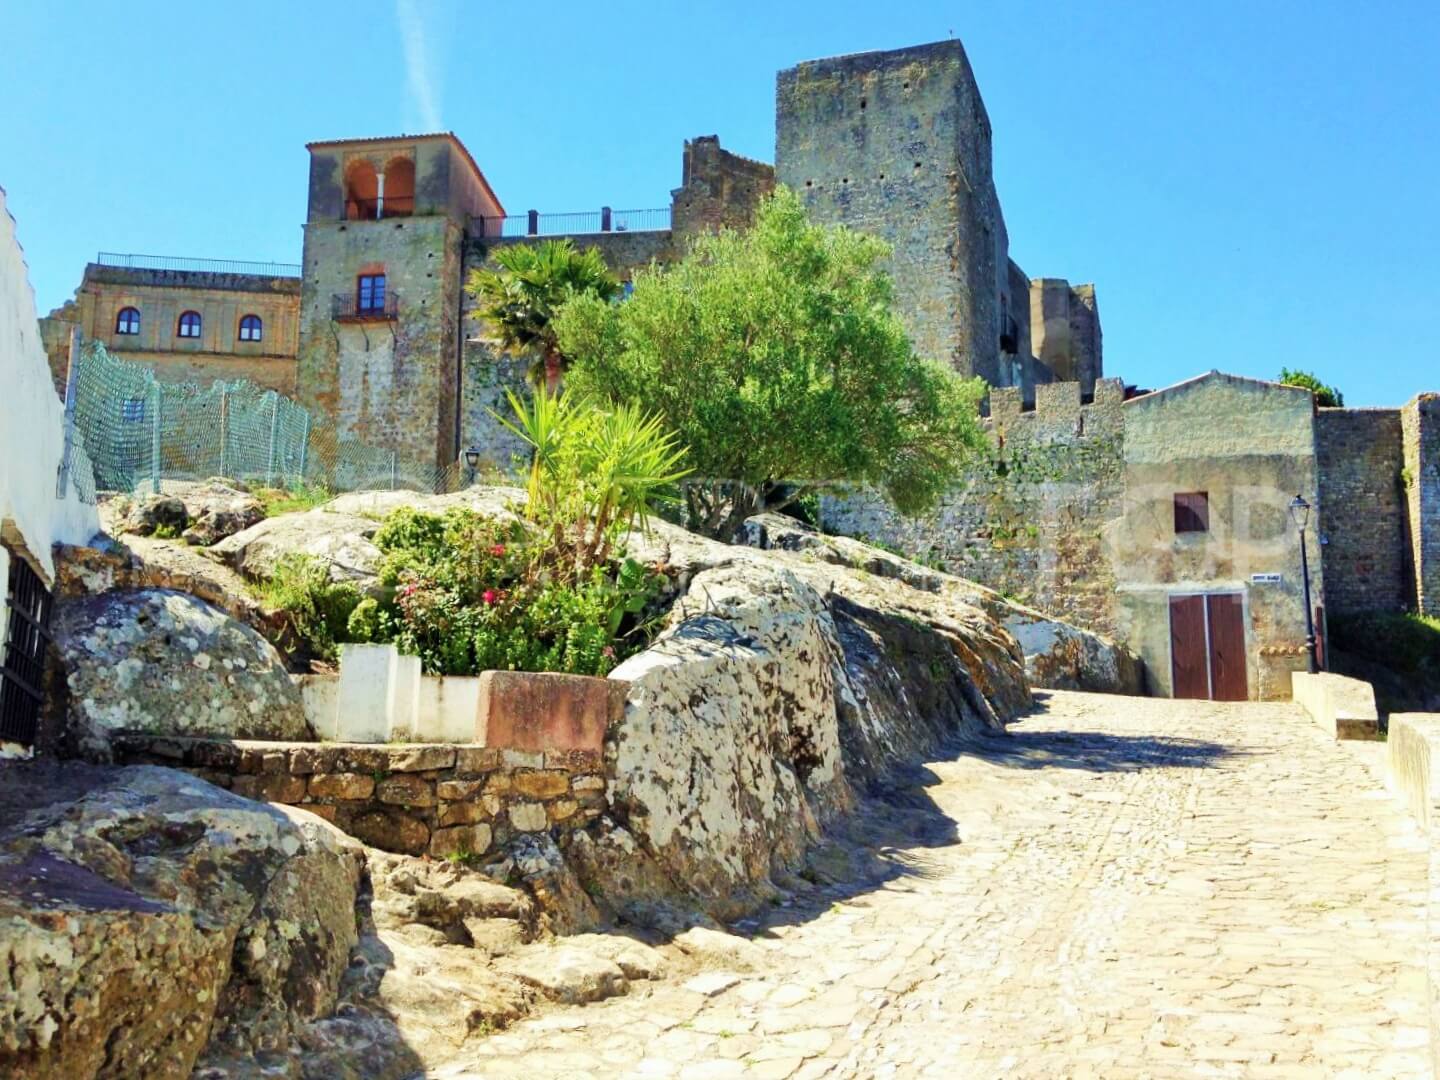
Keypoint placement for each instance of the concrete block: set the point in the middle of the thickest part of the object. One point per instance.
(319, 694)
(1343, 706)
(405, 719)
(540, 711)
(448, 707)
(365, 700)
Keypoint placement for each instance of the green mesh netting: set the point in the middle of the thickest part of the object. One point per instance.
(139, 432)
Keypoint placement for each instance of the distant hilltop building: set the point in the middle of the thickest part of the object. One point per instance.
(372, 328)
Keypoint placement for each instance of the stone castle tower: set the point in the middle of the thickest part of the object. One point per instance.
(381, 288)
(898, 144)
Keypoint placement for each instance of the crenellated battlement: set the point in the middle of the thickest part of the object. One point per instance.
(1060, 414)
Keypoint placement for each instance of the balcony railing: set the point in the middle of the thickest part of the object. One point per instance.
(206, 266)
(581, 223)
(347, 307)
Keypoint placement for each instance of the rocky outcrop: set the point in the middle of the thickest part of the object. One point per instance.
(145, 913)
(1058, 654)
(200, 513)
(167, 662)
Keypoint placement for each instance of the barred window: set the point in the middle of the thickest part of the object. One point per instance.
(132, 410)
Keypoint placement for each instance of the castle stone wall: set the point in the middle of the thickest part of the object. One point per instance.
(1362, 510)
(1065, 331)
(391, 383)
(1421, 433)
(717, 189)
(898, 144)
(1029, 518)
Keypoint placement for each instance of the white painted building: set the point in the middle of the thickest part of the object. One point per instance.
(33, 514)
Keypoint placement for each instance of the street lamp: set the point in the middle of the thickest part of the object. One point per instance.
(472, 459)
(1300, 514)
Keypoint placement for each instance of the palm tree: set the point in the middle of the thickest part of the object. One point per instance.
(519, 298)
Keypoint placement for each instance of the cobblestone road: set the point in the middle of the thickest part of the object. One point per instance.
(1124, 887)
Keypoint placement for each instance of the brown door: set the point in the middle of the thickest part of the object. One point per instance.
(1189, 656)
(1226, 612)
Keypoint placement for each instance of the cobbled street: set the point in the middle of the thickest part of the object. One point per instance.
(1122, 887)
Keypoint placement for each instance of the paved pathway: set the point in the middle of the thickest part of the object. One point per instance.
(1139, 888)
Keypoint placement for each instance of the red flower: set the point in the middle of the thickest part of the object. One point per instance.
(490, 596)
(497, 550)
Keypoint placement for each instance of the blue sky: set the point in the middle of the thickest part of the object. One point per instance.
(1250, 184)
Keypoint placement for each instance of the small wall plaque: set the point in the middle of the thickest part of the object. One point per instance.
(1266, 579)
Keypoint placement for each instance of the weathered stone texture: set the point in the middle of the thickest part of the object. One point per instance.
(169, 663)
(718, 189)
(441, 800)
(1421, 421)
(898, 144)
(1028, 519)
(1362, 514)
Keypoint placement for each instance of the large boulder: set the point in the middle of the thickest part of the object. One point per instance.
(145, 914)
(217, 510)
(1058, 655)
(162, 661)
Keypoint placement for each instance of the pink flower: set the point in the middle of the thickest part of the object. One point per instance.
(608, 651)
(497, 550)
(490, 596)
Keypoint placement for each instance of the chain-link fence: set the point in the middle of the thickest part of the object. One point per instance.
(138, 431)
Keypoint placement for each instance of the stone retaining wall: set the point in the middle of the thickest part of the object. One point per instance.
(1343, 706)
(416, 798)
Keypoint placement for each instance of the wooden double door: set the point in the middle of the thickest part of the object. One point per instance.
(1207, 647)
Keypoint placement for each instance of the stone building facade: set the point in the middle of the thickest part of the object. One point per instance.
(235, 325)
(1078, 510)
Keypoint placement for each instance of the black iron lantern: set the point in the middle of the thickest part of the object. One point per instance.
(472, 459)
(1300, 512)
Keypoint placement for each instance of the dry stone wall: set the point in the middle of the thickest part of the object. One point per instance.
(411, 799)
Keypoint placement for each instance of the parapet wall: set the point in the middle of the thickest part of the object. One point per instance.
(718, 189)
(1359, 457)
(412, 799)
(1028, 519)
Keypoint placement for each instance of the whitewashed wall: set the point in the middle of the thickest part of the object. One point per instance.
(31, 434)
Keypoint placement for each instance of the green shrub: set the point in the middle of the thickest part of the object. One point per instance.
(1403, 641)
(319, 610)
(468, 594)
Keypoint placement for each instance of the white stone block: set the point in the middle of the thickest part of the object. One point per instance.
(447, 708)
(366, 697)
(405, 721)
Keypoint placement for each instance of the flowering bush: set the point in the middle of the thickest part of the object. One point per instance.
(468, 594)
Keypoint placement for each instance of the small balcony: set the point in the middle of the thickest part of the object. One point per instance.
(348, 307)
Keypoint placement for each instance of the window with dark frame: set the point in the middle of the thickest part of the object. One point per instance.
(128, 321)
(1192, 512)
(370, 294)
(189, 324)
(132, 410)
(250, 328)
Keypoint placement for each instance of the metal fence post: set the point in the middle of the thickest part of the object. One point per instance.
(155, 437)
(304, 446)
(224, 426)
(532, 222)
(72, 377)
(392, 469)
(274, 427)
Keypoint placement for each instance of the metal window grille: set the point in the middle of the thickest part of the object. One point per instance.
(26, 638)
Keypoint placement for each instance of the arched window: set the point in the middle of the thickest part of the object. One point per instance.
(399, 197)
(250, 328)
(362, 191)
(190, 324)
(128, 321)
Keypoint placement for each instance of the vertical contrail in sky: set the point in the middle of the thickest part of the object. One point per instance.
(417, 64)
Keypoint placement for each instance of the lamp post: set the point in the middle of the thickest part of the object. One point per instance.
(472, 459)
(1300, 514)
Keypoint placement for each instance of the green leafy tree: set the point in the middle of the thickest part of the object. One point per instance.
(1326, 396)
(518, 298)
(776, 356)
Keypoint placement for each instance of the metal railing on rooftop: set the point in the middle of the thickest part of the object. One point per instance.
(207, 266)
(581, 223)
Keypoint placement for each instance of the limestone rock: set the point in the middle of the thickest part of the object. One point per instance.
(149, 513)
(166, 662)
(217, 510)
(635, 958)
(444, 896)
(143, 910)
(342, 541)
(567, 974)
(717, 949)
